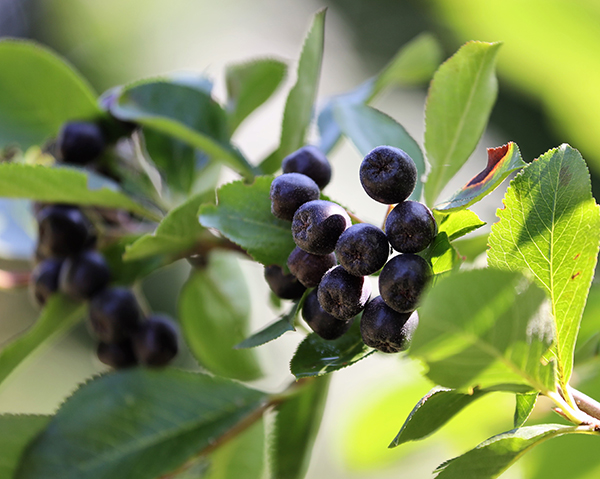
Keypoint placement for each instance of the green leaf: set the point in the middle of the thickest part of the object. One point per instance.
(177, 233)
(243, 214)
(296, 426)
(550, 226)
(502, 161)
(185, 113)
(58, 316)
(479, 328)
(433, 411)
(471, 248)
(459, 102)
(214, 311)
(492, 457)
(272, 331)
(42, 183)
(241, 457)
(316, 356)
(299, 106)
(525, 402)
(17, 433)
(40, 92)
(249, 85)
(368, 128)
(151, 422)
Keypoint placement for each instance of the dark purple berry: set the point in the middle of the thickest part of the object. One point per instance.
(44, 279)
(285, 286)
(84, 275)
(320, 321)
(63, 231)
(317, 226)
(342, 294)
(309, 268)
(384, 329)
(156, 343)
(117, 355)
(410, 227)
(289, 192)
(114, 314)
(362, 249)
(80, 142)
(388, 175)
(402, 280)
(309, 161)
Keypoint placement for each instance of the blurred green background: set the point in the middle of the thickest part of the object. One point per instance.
(549, 72)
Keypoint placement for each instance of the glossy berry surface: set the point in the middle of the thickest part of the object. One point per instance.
(309, 268)
(384, 329)
(80, 142)
(84, 275)
(63, 231)
(362, 249)
(44, 279)
(114, 314)
(388, 175)
(117, 355)
(309, 161)
(410, 227)
(320, 321)
(402, 280)
(289, 192)
(317, 226)
(156, 343)
(342, 294)
(285, 286)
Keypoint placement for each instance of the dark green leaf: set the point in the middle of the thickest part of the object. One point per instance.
(296, 426)
(214, 311)
(502, 161)
(525, 402)
(150, 423)
(243, 214)
(471, 248)
(42, 183)
(282, 325)
(494, 456)
(550, 226)
(17, 433)
(316, 356)
(58, 316)
(299, 106)
(368, 128)
(459, 103)
(249, 85)
(40, 92)
(480, 328)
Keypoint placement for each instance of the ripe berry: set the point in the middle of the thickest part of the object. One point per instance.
(44, 279)
(410, 227)
(320, 321)
(289, 192)
(63, 231)
(342, 294)
(285, 286)
(114, 314)
(84, 275)
(309, 161)
(317, 225)
(388, 175)
(384, 329)
(117, 355)
(80, 142)
(402, 281)
(362, 249)
(155, 343)
(309, 268)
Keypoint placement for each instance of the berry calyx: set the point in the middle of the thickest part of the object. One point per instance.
(384, 329)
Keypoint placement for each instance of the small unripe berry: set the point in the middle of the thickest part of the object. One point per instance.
(362, 249)
(114, 314)
(285, 286)
(320, 321)
(342, 294)
(84, 275)
(156, 342)
(80, 142)
(402, 280)
(317, 225)
(309, 268)
(410, 227)
(309, 161)
(289, 192)
(384, 329)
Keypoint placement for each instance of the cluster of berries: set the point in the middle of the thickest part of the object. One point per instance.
(67, 261)
(324, 236)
